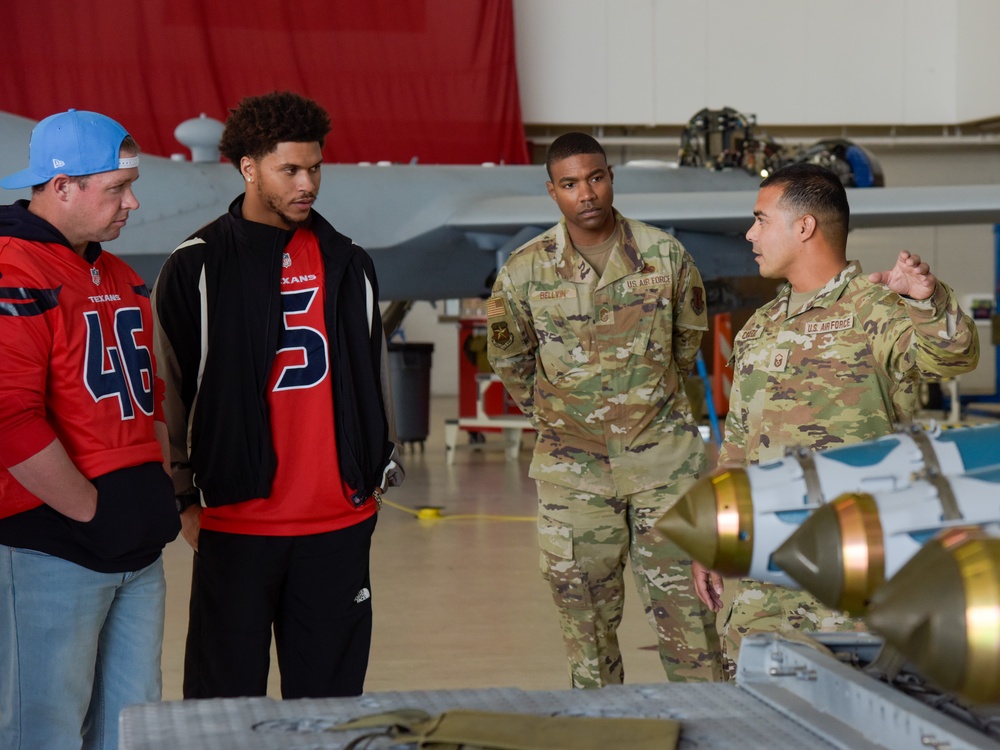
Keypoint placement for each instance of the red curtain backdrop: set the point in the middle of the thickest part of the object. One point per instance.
(431, 80)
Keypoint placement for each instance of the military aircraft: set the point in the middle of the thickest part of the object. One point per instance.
(440, 232)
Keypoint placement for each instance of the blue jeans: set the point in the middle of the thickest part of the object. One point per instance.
(76, 647)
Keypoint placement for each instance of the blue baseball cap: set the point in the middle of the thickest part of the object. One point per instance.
(71, 143)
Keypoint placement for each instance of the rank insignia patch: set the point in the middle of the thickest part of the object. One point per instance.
(778, 361)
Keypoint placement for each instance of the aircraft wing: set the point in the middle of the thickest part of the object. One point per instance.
(731, 212)
(438, 232)
(722, 211)
(711, 225)
(924, 206)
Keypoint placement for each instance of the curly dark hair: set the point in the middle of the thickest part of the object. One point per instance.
(260, 123)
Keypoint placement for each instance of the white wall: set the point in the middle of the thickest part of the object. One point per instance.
(962, 256)
(790, 62)
(902, 62)
(978, 59)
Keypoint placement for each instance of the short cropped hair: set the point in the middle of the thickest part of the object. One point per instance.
(260, 123)
(812, 189)
(571, 144)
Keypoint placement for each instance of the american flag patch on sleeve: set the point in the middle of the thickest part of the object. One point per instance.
(495, 307)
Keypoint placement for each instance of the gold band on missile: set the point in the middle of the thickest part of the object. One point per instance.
(734, 519)
(862, 550)
(978, 558)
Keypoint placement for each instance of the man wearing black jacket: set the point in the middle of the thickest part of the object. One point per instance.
(86, 505)
(281, 432)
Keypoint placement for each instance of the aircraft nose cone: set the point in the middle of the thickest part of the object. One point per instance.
(942, 610)
(713, 522)
(837, 553)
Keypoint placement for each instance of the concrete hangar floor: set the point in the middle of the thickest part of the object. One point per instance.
(459, 602)
(458, 598)
(463, 621)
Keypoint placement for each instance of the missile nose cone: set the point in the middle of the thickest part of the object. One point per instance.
(691, 524)
(942, 610)
(837, 553)
(713, 522)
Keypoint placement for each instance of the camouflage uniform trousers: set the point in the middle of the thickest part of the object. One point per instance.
(768, 608)
(584, 540)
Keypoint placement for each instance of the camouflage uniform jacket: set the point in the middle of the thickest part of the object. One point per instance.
(597, 363)
(844, 368)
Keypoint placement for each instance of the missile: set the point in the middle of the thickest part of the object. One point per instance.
(732, 519)
(847, 548)
(942, 611)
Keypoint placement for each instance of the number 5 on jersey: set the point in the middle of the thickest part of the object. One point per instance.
(311, 361)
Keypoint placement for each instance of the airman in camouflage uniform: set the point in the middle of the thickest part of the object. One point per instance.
(842, 368)
(594, 356)
(837, 365)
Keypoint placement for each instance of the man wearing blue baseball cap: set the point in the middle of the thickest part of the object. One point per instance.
(86, 505)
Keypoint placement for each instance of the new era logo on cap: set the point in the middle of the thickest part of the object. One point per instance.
(71, 143)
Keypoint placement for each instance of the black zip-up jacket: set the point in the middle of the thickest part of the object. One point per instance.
(216, 380)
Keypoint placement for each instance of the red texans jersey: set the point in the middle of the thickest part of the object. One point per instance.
(76, 363)
(308, 495)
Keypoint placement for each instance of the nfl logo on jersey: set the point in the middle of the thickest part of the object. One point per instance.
(95, 276)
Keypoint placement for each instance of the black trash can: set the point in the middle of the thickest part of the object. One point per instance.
(410, 374)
